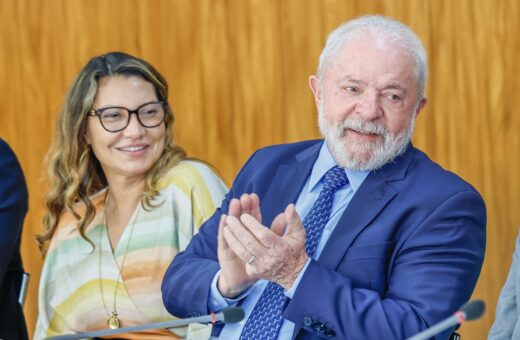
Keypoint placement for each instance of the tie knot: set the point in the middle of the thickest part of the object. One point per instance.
(335, 179)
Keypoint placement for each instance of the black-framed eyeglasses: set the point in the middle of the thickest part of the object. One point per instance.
(116, 118)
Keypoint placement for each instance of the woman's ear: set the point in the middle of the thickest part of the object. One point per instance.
(87, 137)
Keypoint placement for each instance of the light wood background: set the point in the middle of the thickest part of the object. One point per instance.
(238, 72)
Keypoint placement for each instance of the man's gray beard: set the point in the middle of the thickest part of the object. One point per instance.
(363, 156)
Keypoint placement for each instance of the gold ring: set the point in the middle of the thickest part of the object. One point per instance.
(251, 259)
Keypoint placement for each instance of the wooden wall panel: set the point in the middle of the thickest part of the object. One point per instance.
(238, 72)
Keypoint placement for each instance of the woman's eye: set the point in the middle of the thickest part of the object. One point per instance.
(112, 114)
(150, 112)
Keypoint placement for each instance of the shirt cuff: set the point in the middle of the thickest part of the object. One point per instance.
(217, 302)
(290, 292)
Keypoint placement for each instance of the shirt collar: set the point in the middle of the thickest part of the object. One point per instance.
(325, 162)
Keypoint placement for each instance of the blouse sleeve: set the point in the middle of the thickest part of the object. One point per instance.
(207, 196)
(49, 322)
(202, 193)
(507, 313)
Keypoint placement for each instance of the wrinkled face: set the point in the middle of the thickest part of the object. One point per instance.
(367, 101)
(129, 153)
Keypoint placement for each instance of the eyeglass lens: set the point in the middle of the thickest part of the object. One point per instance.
(117, 118)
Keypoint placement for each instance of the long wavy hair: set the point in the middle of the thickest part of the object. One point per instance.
(74, 172)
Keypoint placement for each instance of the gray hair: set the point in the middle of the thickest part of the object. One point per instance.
(383, 28)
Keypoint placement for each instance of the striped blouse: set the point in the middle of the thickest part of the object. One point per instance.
(74, 275)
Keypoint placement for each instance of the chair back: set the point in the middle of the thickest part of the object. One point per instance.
(23, 288)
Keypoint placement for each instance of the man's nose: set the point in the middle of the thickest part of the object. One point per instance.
(369, 106)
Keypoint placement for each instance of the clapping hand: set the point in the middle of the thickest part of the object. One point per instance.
(249, 251)
(233, 277)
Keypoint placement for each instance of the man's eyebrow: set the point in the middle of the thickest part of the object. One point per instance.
(391, 86)
(352, 79)
(395, 86)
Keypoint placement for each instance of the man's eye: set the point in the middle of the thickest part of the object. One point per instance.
(392, 97)
(351, 89)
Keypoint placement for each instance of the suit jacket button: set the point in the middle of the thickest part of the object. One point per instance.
(329, 333)
(318, 327)
(307, 321)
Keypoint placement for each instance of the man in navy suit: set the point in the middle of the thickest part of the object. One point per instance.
(396, 246)
(13, 207)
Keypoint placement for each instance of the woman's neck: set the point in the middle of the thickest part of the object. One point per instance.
(123, 198)
(124, 193)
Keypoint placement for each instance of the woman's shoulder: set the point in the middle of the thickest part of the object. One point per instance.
(67, 228)
(191, 174)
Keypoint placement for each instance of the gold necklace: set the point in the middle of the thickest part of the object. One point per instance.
(113, 319)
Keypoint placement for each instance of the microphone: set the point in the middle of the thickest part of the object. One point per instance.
(469, 311)
(227, 315)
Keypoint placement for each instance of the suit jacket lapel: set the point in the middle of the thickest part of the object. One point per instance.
(373, 195)
(288, 183)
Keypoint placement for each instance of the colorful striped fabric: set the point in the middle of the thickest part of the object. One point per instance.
(70, 293)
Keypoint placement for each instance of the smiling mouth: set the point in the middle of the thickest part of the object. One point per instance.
(132, 148)
(366, 133)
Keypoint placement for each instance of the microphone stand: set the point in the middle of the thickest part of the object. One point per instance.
(228, 315)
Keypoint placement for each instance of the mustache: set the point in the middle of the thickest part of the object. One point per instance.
(363, 126)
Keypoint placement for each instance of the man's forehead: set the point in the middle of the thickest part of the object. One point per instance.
(380, 39)
(359, 58)
(389, 83)
(372, 43)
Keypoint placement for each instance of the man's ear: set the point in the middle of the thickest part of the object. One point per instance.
(420, 105)
(315, 86)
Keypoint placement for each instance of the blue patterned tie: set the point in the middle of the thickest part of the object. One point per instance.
(266, 318)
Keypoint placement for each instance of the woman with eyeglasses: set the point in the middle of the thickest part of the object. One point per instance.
(124, 199)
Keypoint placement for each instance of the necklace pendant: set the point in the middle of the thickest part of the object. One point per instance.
(113, 321)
